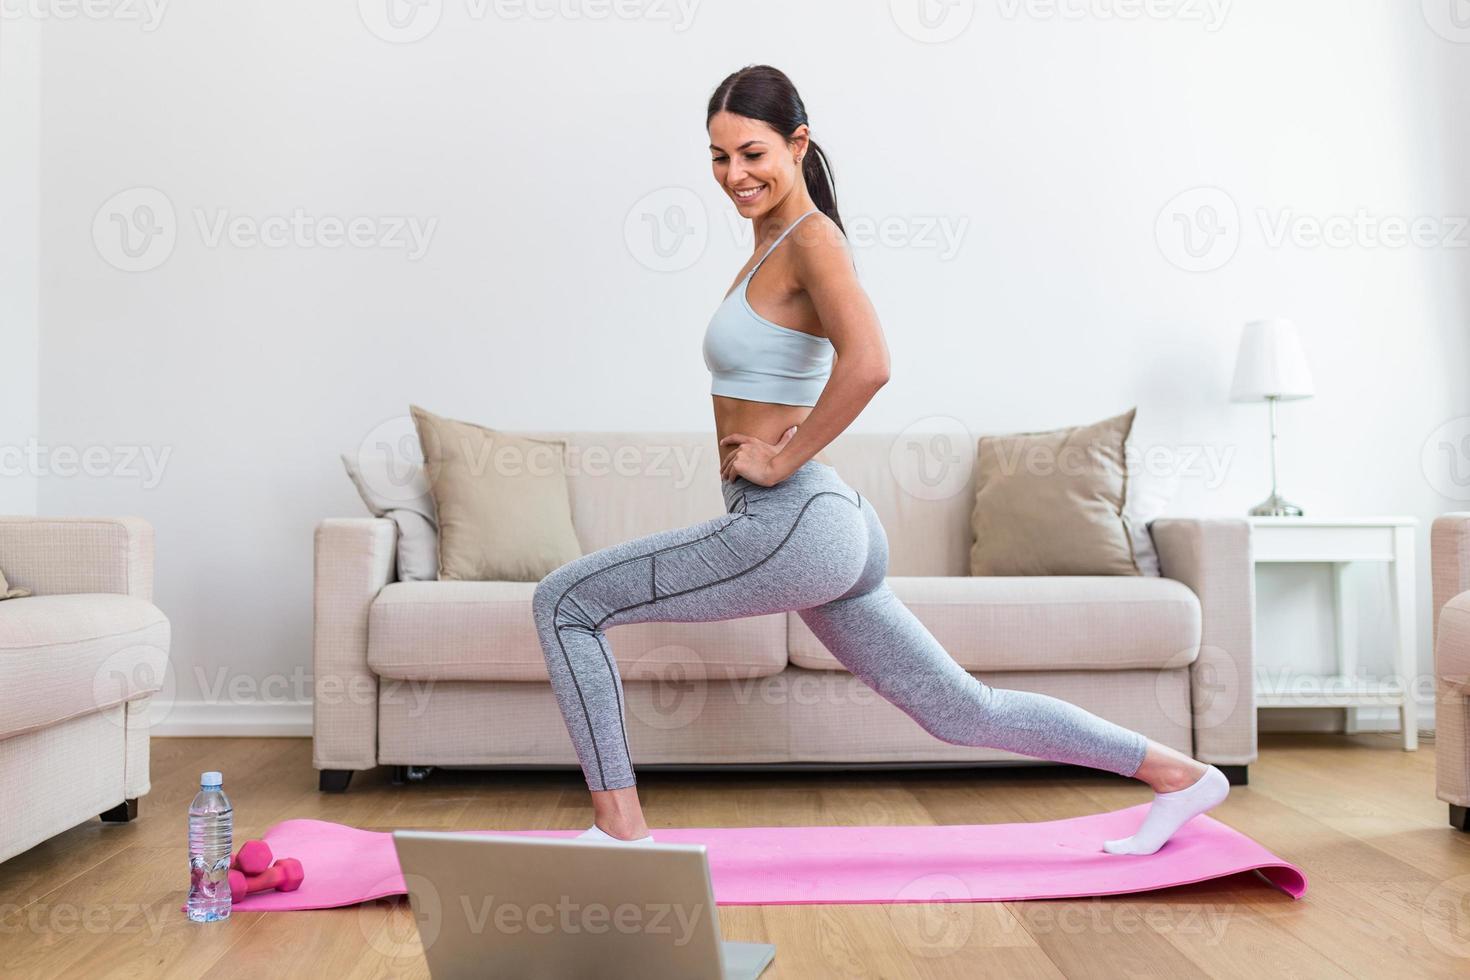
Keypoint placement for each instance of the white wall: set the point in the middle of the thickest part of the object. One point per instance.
(20, 149)
(1051, 144)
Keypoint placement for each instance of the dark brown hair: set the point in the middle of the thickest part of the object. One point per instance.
(765, 93)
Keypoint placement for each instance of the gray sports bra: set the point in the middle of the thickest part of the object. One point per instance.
(750, 357)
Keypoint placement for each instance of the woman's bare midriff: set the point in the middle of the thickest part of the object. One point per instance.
(766, 421)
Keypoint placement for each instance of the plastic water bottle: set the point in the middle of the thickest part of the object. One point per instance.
(211, 841)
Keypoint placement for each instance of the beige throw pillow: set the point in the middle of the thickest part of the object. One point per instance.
(1052, 503)
(501, 500)
(6, 592)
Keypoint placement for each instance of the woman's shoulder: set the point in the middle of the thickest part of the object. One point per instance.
(823, 246)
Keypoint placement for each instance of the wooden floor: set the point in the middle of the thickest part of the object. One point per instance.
(1389, 888)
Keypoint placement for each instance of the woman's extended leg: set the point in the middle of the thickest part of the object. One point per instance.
(799, 543)
(881, 642)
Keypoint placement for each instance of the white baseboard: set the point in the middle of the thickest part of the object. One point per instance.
(202, 719)
(195, 719)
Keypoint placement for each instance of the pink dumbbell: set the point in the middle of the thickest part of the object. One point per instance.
(284, 876)
(254, 857)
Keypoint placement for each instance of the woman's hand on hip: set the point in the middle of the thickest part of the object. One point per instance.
(755, 459)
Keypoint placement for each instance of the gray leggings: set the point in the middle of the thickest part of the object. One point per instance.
(810, 544)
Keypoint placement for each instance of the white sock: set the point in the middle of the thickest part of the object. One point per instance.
(1170, 811)
(596, 833)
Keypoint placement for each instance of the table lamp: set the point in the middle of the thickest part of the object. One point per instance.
(1270, 367)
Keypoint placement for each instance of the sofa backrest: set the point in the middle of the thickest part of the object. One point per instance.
(624, 485)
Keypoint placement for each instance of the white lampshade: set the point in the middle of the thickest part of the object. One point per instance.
(1270, 363)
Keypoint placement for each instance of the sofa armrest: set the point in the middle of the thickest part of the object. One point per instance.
(1213, 557)
(63, 555)
(353, 561)
(1449, 562)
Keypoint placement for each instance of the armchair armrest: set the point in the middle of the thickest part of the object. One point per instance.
(1213, 557)
(353, 561)
(62, 555)
(1449, 562)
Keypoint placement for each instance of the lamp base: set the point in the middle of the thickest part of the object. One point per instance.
(1275, 506)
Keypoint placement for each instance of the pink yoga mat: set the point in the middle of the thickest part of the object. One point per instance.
(842, 865)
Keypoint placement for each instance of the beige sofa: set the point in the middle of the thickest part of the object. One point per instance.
(1449, 558)
(81, 659)
(423, 674)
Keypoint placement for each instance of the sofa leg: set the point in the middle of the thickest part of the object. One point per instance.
(1460, 817)
(334, 780)
(122, 813)
(1237, 775)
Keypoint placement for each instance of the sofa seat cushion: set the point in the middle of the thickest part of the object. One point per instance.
(62, 656)
(1029, 622)
(484, 631)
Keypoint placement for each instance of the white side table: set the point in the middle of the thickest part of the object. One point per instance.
(1337, 542)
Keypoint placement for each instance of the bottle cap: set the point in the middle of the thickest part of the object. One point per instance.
(211, 779)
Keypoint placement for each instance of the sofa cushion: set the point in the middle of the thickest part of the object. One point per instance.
(1028, 622)
(484, 631)
(1053, 503)
(62, 656)
(500, 501)
(395, 487)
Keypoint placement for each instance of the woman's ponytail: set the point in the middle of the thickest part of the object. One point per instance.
(819, 182)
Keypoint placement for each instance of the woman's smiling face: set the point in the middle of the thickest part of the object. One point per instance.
(752, 162)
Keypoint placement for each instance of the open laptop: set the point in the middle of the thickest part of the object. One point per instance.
(494, 905)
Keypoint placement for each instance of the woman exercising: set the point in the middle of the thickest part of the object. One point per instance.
(794, 536)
